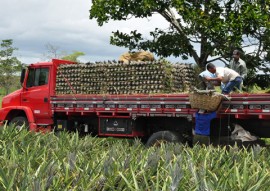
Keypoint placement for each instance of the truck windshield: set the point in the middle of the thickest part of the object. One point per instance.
(37, 77)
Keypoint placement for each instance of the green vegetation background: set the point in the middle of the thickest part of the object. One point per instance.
(63, 161)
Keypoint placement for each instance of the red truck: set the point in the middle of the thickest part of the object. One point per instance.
(154, 118)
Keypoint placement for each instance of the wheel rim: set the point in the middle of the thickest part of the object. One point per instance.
(19, 125)
(158, 143)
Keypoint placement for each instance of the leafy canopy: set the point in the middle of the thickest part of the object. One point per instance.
(217, 27)
(9, 65)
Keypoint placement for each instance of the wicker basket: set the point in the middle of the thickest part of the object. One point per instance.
(205, 100)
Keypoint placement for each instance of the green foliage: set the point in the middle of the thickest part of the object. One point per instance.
(216, 27)
(254, 89)
(73, 56)
(34, 161)
(9, 65)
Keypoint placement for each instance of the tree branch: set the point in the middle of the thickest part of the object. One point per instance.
(170, 17)
(219, 58)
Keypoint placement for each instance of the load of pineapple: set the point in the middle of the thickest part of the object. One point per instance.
(138, 77)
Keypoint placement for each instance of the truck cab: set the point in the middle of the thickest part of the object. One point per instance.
(30, 105)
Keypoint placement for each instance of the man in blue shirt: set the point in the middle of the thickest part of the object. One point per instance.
(207, 84)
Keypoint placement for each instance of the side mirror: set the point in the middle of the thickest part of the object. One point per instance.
(22, 75)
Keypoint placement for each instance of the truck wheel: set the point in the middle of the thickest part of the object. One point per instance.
(20, 123)
(160, 137)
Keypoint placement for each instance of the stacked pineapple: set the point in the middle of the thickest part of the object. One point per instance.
(136, 78)
(93, 78)
(183, 77)
(68, 79)
(123, 78)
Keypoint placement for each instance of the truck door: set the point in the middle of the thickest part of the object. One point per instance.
(36, 94)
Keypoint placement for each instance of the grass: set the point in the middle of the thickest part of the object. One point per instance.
(33, 161)
(1, 97)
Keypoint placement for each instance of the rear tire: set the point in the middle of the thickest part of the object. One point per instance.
(20, 123)
(156, 139)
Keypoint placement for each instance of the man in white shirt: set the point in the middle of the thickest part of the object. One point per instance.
(227, 76)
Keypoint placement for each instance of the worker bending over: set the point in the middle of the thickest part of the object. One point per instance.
(228, 77)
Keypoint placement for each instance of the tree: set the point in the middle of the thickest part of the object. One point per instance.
(73, 56)
(53, 52)
(217, 27)
(9, 65)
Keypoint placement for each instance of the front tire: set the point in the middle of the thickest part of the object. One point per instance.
(156, 139)
(20, 123)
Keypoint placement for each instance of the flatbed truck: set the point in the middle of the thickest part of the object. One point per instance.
(154, 118)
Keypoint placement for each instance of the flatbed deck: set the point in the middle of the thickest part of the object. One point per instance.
(240, 105)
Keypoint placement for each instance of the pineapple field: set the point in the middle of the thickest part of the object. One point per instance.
(35, 161)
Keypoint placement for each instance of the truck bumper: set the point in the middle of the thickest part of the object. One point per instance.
(33, 127)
